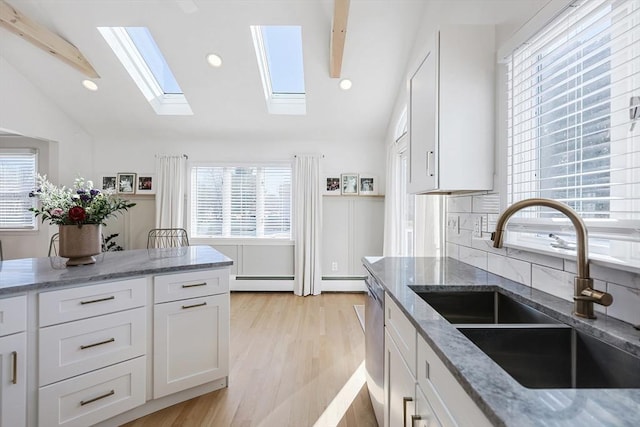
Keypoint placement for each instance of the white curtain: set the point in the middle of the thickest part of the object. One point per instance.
(171, 174)
(307, 215)
(392, 205)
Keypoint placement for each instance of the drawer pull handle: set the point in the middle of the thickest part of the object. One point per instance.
(415, 418)
(98, 300)
(404, 409)
(86, 402)
(194, 285)
(95, 344)
(194, 305)
(14, 370)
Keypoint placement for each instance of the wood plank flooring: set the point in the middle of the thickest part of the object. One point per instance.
(290, 357)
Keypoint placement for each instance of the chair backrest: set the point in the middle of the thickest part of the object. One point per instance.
(167, 238)
(53, 245)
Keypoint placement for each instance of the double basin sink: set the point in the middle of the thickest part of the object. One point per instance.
(535, 349)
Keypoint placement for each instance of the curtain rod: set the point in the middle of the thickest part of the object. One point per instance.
(158, 155)
(322, 155)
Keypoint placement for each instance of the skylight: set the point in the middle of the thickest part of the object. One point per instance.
(279, 55)
(139, 54)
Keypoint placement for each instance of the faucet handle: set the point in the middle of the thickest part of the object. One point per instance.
(599, 297)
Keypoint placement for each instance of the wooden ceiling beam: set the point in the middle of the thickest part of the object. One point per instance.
(40, 36)
(338, 36)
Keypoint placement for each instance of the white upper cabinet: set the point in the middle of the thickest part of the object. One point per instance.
(451, 114)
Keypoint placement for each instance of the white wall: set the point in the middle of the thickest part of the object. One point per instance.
(124, 154)
(66, 148)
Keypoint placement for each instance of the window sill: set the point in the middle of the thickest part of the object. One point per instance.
(632, 266)
(256, 241)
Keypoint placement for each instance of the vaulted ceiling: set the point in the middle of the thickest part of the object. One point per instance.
(228, 102)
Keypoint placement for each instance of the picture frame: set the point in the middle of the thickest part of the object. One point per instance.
(108, 183)
(368, 185)
(349, 184)
(331, 185)
(126, 182)
(146, 183)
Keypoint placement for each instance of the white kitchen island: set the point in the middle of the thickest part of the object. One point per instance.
(107, 343)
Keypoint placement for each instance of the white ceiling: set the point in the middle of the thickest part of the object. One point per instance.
(227, 102)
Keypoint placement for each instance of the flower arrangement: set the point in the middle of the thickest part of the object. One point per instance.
(79, 205)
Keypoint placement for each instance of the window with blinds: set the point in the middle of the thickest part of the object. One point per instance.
(241, 201)
(573, 101)
(18, 169)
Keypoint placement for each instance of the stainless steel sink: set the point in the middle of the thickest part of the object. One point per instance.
(482, 307)
(535, 349)
(556, 356)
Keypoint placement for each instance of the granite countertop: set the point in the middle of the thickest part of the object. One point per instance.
(501, 398)
(28, 274)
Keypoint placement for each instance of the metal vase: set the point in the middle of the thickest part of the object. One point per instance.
(80, 243)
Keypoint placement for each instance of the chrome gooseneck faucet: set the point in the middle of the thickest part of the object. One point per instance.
(584, 294)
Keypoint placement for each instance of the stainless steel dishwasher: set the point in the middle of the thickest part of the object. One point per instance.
(374, 345)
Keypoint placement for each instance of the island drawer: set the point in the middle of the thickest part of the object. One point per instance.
(173, 287)
(13, 316)
(93, 397)
(92, 300)
(85, 345)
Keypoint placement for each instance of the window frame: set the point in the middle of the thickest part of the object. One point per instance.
(239, 240)
(611, 240)
(34, 226)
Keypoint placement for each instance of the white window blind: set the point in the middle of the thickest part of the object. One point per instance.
(17, 179)
(571, 128)
(247, 201)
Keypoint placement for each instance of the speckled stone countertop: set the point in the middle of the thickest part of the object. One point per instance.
(502, 399)
(28, 274)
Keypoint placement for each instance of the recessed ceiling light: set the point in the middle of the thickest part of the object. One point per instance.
(214, 60)
(345, 84)
(91, 85)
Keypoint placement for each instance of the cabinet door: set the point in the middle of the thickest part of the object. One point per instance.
(13, 376)
(423, 124)
(191, 343)
(400, 386)
(424, 417)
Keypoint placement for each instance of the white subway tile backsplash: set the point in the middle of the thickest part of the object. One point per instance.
(466, 221)
(547, 273)
(618, 277)
(516, 270)
(459, 204)
(626, 303)
(534, 258)
(452, 250)
(487, 246)
(571, 266)
(463, 238)
(552, 281)
(474, 257)
(486, 203)
(492, 219)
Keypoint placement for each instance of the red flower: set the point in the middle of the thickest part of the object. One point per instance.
(77, 214)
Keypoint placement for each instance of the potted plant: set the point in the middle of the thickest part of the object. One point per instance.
(79, 213)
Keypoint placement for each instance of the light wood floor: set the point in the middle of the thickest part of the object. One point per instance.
(290, 357)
